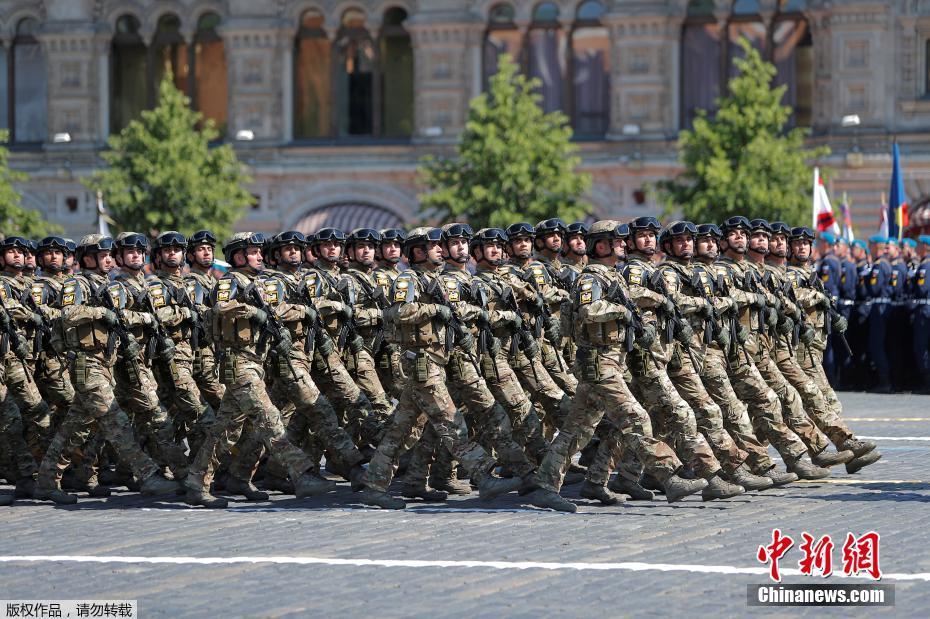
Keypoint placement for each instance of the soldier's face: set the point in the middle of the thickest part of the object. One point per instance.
(106, 262)
(253, 258)
(778, 245)
(619, 247)
(801, 249)
(458, 250)
(841, 249)
(365, 253)
(707, 247)
(308, 255)
(922, 250)
(289, 255)
(30, 261)
(893, 251)
(171, 257)
(203, 255)
(553, 241)
(576, 244)
(390, 251)
(645, 241)
(683, 246)
(737, 240)
(329, 250)
(858, 253)
(133, 258)
(14, 258)
(434, 252)
(52, 258)
(759, 242)
(521, 247)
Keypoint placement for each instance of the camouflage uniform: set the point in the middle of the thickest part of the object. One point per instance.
(388, 359)
(206, 375)
(51, 372)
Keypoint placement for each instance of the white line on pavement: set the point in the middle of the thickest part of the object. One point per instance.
(897, 438)
(408, 563)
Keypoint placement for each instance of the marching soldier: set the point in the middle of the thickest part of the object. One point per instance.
(200, 283)
(388, 253)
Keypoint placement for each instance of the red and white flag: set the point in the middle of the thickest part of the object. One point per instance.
(824, 221)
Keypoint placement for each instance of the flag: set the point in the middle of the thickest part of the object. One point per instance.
(103, 220)
(823, 212)
(897, 199)
(883, 217)
(845, 209)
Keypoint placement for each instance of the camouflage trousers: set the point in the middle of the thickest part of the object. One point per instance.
(362, 368)
(95, 409)
(179, 392)
(352, 405)
(558, 368)
(425, 401)
(542, 390)
(137, 394)
(54, 382)
(207, 376)
(390, 369)
(735, 415)
(245, 401)
(764, 407)
(812, 397)
(488, 423)
(23, 393)
(708, 414)
(631, 430)
(791, 403)
(671, 413)
(16, 459)
(830, 418)
(311, 423)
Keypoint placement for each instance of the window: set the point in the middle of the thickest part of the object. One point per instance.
(590, 67)
(170, 54)
(502, 37)
(209, 72)
(312, 77)
(396, 75)
(128, 87)
(25, 77)
(355, 77)
(708, 55)
(546, 54)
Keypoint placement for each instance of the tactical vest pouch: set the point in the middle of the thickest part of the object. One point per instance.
(350, 361)
(421, 368)
(489, 367)
(59, 338)
(228, 369)
(455, 369)
(79, 371)
(197, 364)
(674, 364)
(590, 364)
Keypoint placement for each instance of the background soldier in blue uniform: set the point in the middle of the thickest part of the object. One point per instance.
(898, 331)
(858, 334)
(879, 287)
(848, 281)
(920, 292)
(830, 272)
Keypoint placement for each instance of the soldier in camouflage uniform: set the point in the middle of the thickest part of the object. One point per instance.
(821, 312)
(601, 322)
(89, 330)
(136, 386)
(572, 261)
(650, 368)
(200, 283)
(689, 288)
(388, 360)
(740, 281)
(726, 351)
(242, 330)
(417, 321)
(19, 360)
(488, 422)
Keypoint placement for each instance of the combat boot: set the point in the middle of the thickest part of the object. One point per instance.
(370, 496)
(854, 465)
(312, 484)
(778, 478)
(572, 478)
(450, 486)
(244, 488)
(744, 477)
(828, 457)
(589, 451)
(25, 488)
(649, 482)
(548, 499)
(596, 492)
(417, 491)
(55, 495)
(805, 469)
(155, 484)
(356, 477)
(279, 484)
(97, 491)
(6, 499)
(492, 487)
(677, 488)
(858, 447)
(719, 488)
(204, 498)
(632, 489)
(528, 485)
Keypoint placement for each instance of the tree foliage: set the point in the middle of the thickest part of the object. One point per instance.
(742, 161)
(164, 175)
(14, 219)
(514, 162)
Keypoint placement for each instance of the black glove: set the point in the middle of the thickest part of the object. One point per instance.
(356, 344)
(758, 300)
(325, 345)
(723, 339)
(311, 314)
(346, 311)
(742, 334)
(532, 349)
(166, 349)
(771, 318)
(109, 318)
(553, 331)
(285, 344)
(807, 334)
(785, 326)
(707, 310)
(517, 321)
(683, 332)
(483, 318)
(443, 314)
(131, 348)
(37, 319)
(839, 323)
(646, 337)
(467, 341)
(667, 306)
(260, 317)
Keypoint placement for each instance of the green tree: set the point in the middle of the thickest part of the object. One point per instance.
(164, 175)
(514, 162)
(742, 161)
(14, 219)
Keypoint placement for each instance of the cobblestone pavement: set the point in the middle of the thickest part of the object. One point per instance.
(331, 558)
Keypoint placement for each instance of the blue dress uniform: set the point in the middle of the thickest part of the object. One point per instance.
(920, 293)
(858, 334)
(849, 280)
(899, 328)
(830, 271)
(879, 287)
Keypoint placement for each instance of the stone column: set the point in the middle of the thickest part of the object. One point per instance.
(73, 66)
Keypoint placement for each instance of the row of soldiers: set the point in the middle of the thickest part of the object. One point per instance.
(882, 289)
(506, 351)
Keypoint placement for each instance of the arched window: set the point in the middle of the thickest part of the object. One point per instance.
(708, 55)
(502, 37)
(209, 71)
(396, 75)
(546, 54)
(590, 70)
(355, 77)
(312, 78)
(128, 85)
(26, 78)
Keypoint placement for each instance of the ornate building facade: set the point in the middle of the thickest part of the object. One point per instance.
(332, 103)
